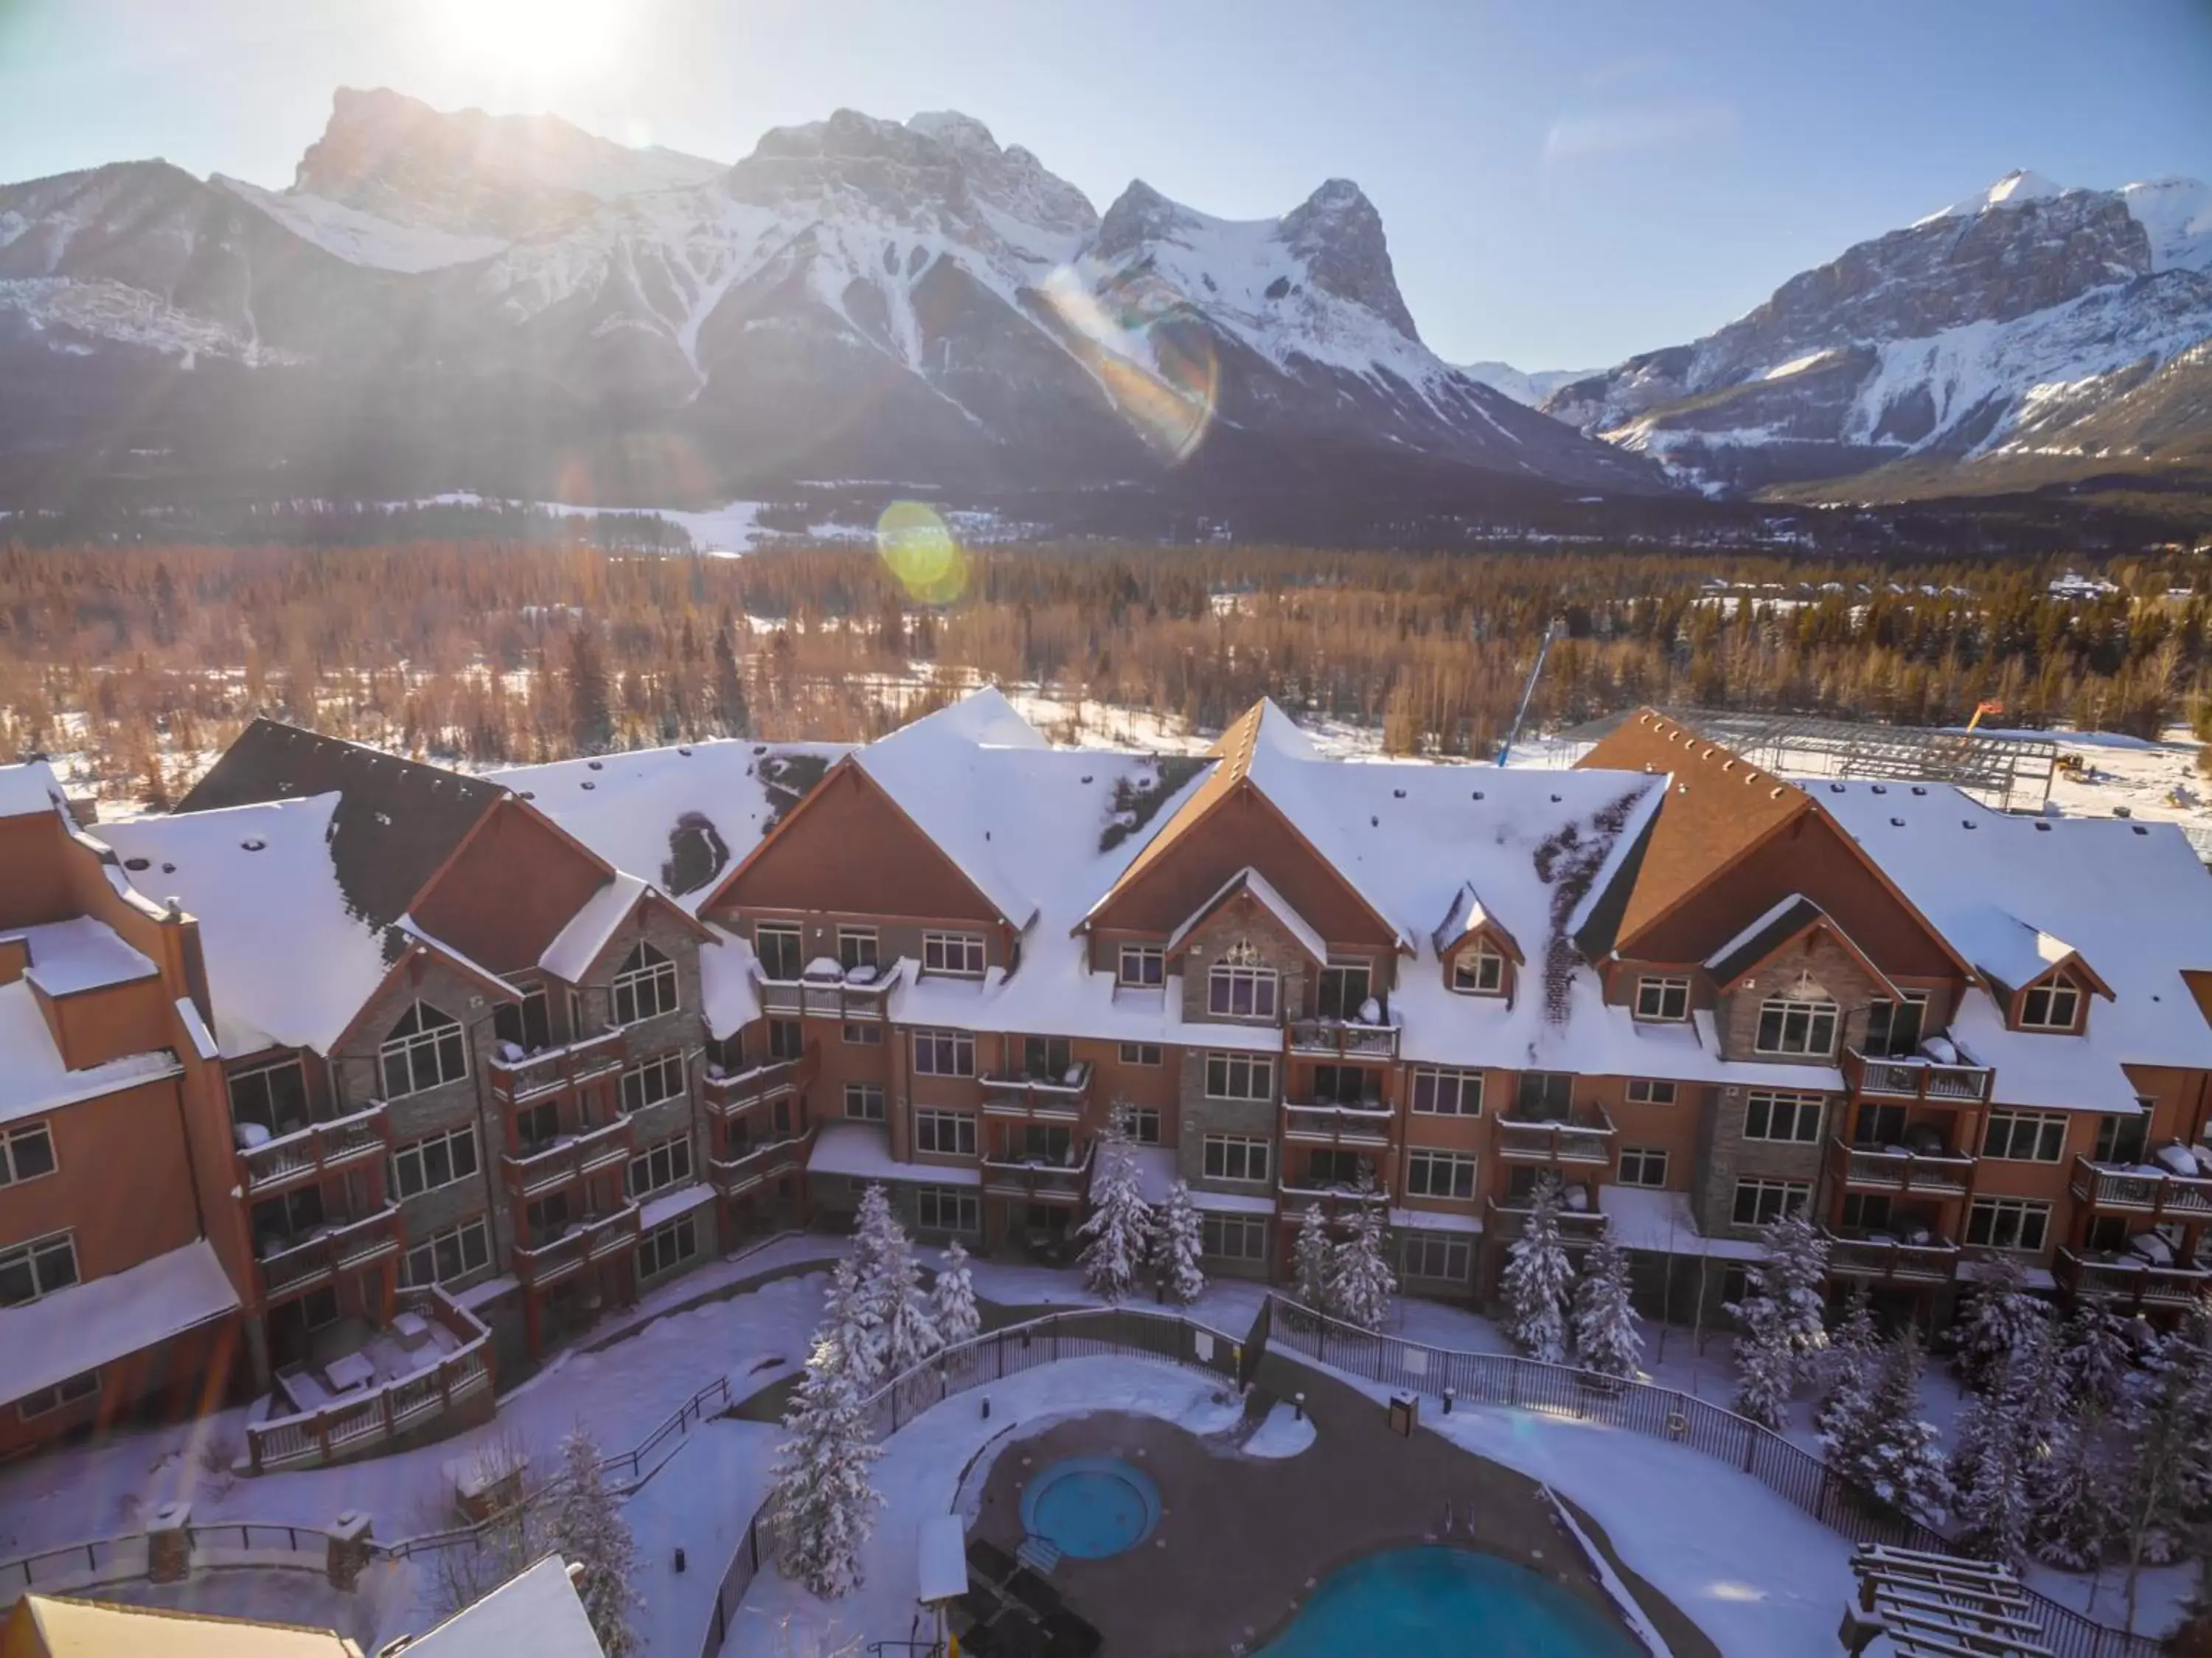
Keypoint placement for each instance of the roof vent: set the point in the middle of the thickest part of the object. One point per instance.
(1881, 789)
(254, 844)
(760, 748)
(1835, 789)
(1728, 765)
(1968, 823)
(1086, 776)
(1478, 794)
(684, 752)
(530, 794)
(1397, 793)
(987, 834)
(2041, 827)
(597, 765)
(135, 863)
(1919, 789)
(1897, 823)
(1374, 823)
(2139, 829)
(1774, 794)
(1555, 800)
(169, 868)
(588, 783)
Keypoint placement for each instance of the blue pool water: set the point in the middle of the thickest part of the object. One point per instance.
(1445, 1603)
(1089, 1506)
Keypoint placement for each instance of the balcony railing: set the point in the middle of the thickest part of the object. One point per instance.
(1365, 1125)
(1055, 1099)
(514, 1080)
(2132, 1283)
(734, 1176)
(586, 1240)
(1586, 1138)
(2138, 1189)
(1310, 1188)
(1039, 1180)
(1509, 1215)
(779, 1079)
(312, 1150)
(569, 1158)
(361, 1423)
(824, 997)
(1344, 1039)
(1916, 1078)
(1893, 1259)
(339, 1245)
(1893, 1168)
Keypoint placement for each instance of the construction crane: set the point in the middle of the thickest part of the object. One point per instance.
(1552, 629)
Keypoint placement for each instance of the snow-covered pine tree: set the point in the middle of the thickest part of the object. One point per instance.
(1853, 1351)
(1537, 1280)
(1360, 1282)
(1176, 1246)
(2166, 1420)
(902, 1332)
(848, 1323)
(2074, 1493)
(1897, 1460)
(1608, 1338)
(1988, 1474)
(1311, 1261)
(1121, 1220)
(1781, 1319)
(589, 1530)
(821, 1505)
(2001, 1319)
(952, 1298)
(2097, 1352)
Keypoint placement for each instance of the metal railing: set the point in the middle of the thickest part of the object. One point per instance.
(340, 1245)
(1916, 1078)
(1509, 1215)
(1038, 1177)
(734, 1175)
(2140, 1190)
(1364, 1125)
(1893, 1259)
(1344, 1039)
(1055, 1099)
(513, 1080)
(1897, 1169)
(827, 999)
(2136, 1283)
(586, 1240)
(778, 1079)
(569, 1158)
(1585, 1137)
(337, 1143)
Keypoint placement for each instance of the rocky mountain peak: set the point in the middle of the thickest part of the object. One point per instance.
(1340, 234)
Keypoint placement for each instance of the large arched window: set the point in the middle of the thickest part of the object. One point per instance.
(426, 1048)
(1798, 1025)
(645, 986)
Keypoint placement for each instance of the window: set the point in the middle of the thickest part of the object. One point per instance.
(864, 1102)
(946, 1209)
(2124, 1139)
(861, 1036)
(1141, 1054)
(944, 1053)
(2026, 1137)
(440, 1160)
(959, 954)
(1878, 1125)
(426, 1048)
(1542, 1096)
(1662, 998)
(1047, 1058)
(1893, 1028)
(1236, 1157)
(1866, 1211)
(1644, 1165)
(1479, 970)
(786, 1040)
(1141, 965)
(280, 1222)
(667, 1246)
(666, 1164)
(527, 1024)
(1144, 1125)
(726, 1053)
(781, 949)
(273, 1096)
(1239, 1076)
(1347, 1085)
(1431, 1255)
(1786, 1026)
(1650, 1091)
(2052, 1006)
(445, 1256)
(650, 1083)
(1757, 1202)
(537, 1126)
(644, 987)
(546, 1221)
(1440, 1174)
(1439, 1093)
(47, 1401)
(1343, 1169)
(26, 1153)
(1792, 1117)
(1232, 1237)
(29, 1270)
(1236, 991)
(1043, 1143)
(2008, 1222)
(1341, 989)
(947, 1133)
(856, 947)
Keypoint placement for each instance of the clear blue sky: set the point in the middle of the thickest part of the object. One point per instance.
(1563, 183)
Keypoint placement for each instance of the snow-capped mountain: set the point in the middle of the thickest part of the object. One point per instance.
(1936, 358)
(510, 304)
(1529, 386)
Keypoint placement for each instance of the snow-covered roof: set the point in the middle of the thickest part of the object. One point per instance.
(862, 1151)
(102, 1319)
(537, 1613)
(79, 954)
(1785, 921)
(1156, 1171)
(2008, 951)
(1231, 1202)
(1248, 880)
(728, 1000)
(576, 946)
(1642, 1218)
(681, 818)
(27, 790)
(1425, 1219)
(2131, 898)
(34, 1078)
(659, 1212)
(1467, 914)
(289, 961)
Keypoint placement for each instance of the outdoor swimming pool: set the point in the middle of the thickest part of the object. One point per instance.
(1445, 1603)
(1090, 1507)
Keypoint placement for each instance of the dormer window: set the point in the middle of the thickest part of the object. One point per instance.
(2053, 1005)
(1238, 988)
(1479, 970)
(1143, 965)
(1796, 1026)
(1662, 998)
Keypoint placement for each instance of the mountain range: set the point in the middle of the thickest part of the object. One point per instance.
(508, 304)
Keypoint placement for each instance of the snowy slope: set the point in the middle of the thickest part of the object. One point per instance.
(1529, 386)
(362, 238)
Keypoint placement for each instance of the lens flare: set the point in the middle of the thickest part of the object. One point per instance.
(918, 546)
(1151, 352)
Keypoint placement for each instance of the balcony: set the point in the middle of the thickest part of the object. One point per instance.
(823, 993)
(733, 1177)
(1345, 1038)
(567, 1159)
(312, 1151)
(1577, 1226)
(779, 1079)
(1364, 1127)
(1892, 1260)
(1328, 1191)
(1894, 1168)
(515, 1080)
(1916, 1078)
(2134, 1284)
(1038, 1179)
(2156, 1194)
(590, 1238)
(1038, 1098)
(1582, 1140)
(337, 1246)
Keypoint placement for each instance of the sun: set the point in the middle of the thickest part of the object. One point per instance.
(539, 43)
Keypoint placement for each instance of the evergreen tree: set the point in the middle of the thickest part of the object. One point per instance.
(1780, 1319)
(2001, 1319)
(1360, 1282)
(953, 1298)
(1121, 1220)
(737, 719)
(1896, 1459)
(1853, 1351)
(2097, 1353)
(588, 1530)
(1607, 1337)
(1989, 1466)
(1311, 1261)
(902, 1332)
(2166, 1420)
(821, 1504)
(847, 1320)
(1537, 1280)
(1176, 1246)
(591, 711)
(2074, 1495)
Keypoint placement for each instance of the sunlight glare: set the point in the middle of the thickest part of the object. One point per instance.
(533, 42)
